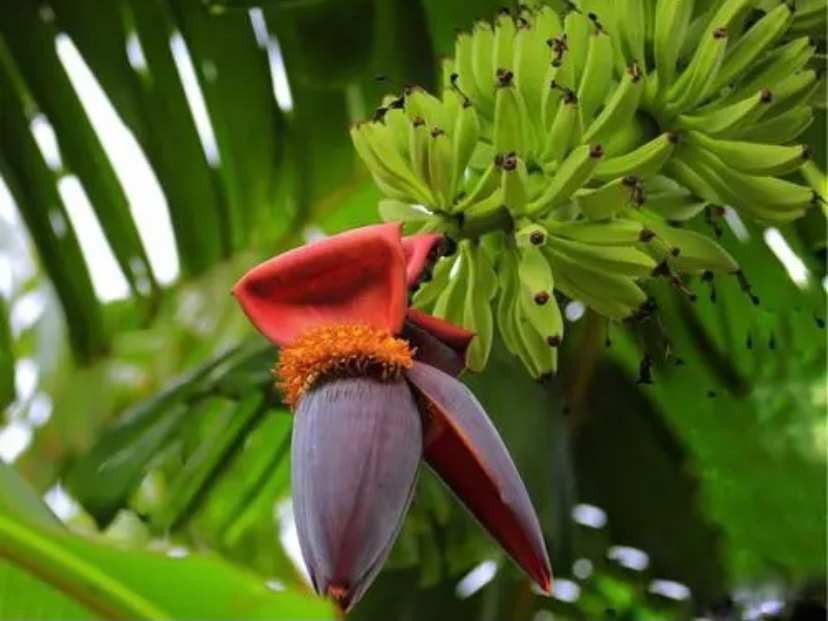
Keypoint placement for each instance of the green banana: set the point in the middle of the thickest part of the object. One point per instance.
(793, 91)
(619, 109)
(482, 61)
(692, 180)
(631, 27)
(513, 181)
(451, 301)
(751, 45)
(504, 41)
(658, 248)
(810, 17)
(565, 131)
(694, 253)
(537, 302)
(453, 102)
(518, 333)
(420, 104)
(540, 358)
(434, 225)
(815, 178)
(574, 172)
(508, 286)
(605, 201)
(702, 12)
(693, 84)
(477, 311)
(819, 98)
(597, 75)
(530, 66)
(758, 189)
(548, 331)
(484, 153)
(547, 23)
(550, 100)
(532, 57)
(672, 201)
(726, 15)
(537, 296)
(440, 167)
(672, 18)
(677, 209)
(418, 139)
(535, 274)
(511, 133)
(768, 198)
(577, 27)
(616, 232)
(391, 172)
(612, 295)
(464, 65)
(753, 158)
(466, 134)
(783, 128)
(397, 123)
(805, 9)
(642, 162)
(776, 66)
(620, 260)
(730, 119)
(613, 23)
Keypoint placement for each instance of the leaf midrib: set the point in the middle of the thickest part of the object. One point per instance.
(79, 579)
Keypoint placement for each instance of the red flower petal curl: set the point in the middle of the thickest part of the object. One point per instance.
(465, 450)
(354, 277)
(455, 337)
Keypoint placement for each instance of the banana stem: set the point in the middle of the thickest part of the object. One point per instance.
(472, 226)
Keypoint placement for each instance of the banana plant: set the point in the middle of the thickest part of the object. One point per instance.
(588, 167)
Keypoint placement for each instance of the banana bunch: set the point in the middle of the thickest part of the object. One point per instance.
(553, 92)
(731, 80)
(531, 112)
(598, 263)
(566, 150)
(417, 148)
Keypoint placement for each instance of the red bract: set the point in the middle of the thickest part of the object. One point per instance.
(372, 386)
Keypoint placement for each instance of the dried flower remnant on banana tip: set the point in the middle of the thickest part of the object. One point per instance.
(372, 385)
(602, 142)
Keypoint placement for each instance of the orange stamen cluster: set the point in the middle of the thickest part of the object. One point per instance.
(340, 350)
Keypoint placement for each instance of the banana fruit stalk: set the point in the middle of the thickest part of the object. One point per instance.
(567, 149)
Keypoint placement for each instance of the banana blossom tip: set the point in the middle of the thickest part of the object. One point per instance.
(373, 387)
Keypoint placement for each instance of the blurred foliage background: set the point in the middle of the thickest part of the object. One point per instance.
(151, 151)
